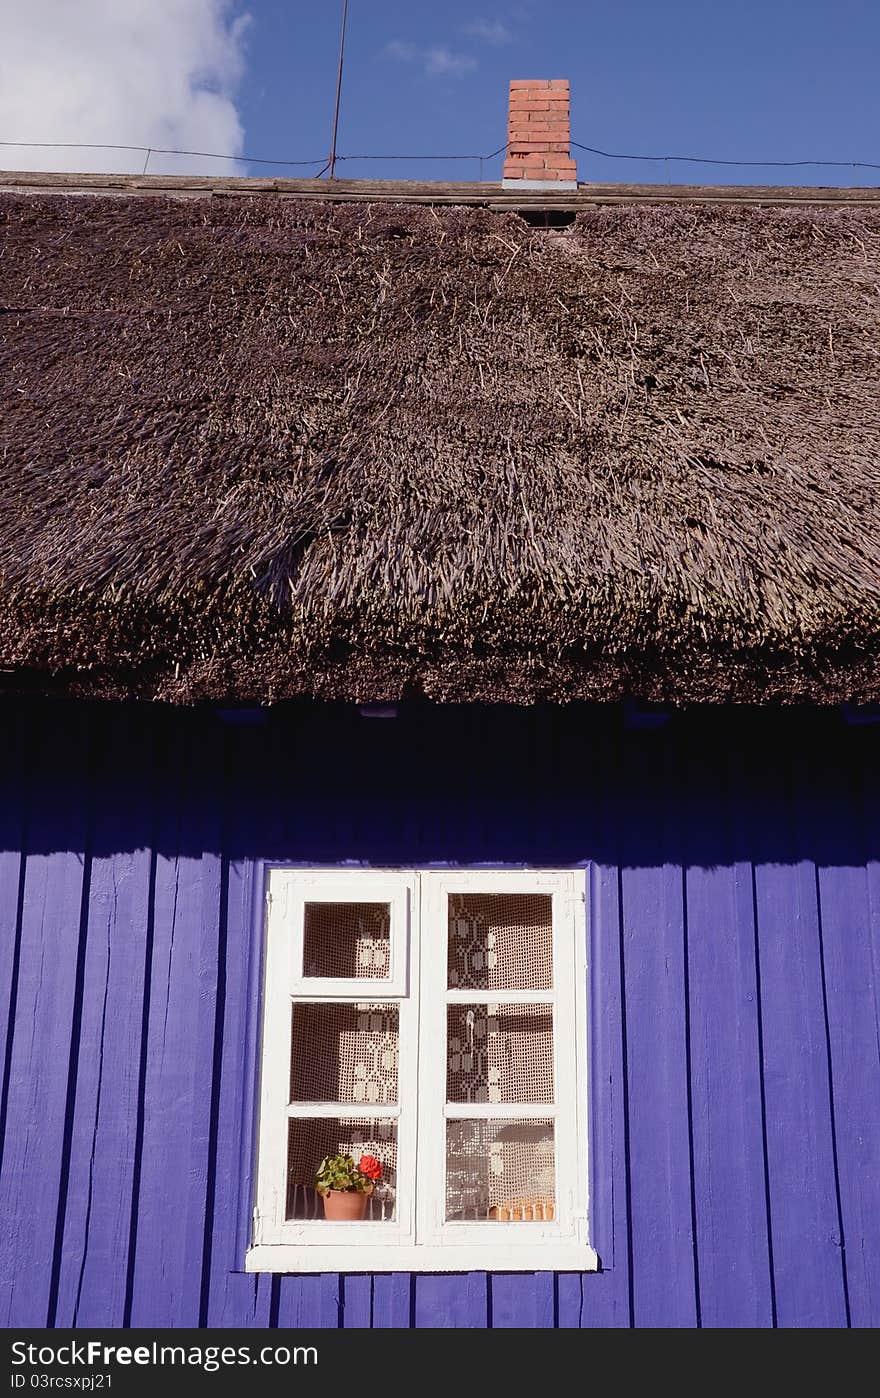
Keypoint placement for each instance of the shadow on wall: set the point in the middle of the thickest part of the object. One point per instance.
(468, 785)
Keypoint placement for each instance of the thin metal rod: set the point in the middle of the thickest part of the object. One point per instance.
(331, 164)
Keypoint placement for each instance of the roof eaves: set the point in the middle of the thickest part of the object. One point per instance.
(481, 194)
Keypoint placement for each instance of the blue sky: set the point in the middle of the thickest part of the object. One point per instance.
(783, 79)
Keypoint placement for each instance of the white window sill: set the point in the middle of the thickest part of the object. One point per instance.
(408, 1257)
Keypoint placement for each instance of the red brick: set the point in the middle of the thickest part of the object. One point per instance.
(530, 165)
(529, 82)
(560, 83)
(557, 148)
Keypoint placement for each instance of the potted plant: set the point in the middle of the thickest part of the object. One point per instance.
(346, 1187)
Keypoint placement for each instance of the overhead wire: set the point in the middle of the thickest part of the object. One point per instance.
(711, 160)
(158, 150)
(396, 155)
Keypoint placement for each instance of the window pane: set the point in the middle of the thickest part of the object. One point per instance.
(502, 1171)
(348, 940)
(499, 1053)
(310, 1140)
(343, 1053)
(500, 941)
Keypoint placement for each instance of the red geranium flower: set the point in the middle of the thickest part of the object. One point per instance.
(370, 1167)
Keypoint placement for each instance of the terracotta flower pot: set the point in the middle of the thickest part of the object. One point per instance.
(348, 1204)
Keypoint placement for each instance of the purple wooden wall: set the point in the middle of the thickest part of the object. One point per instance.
(733, 862)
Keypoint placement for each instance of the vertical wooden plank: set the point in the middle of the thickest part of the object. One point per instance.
(356, 1297)
(94, 1257)
(728, 1143)
(206, 1048)
(37, 1102)
(392, 1299)
(866, 759)
(545, 1301)
(513, 1300)
(477, 1294)
(807, 1269)
(15, 743)
(299, 1302)
(441, 1301)
(167, 1279)
(850, 987)
(570, 1300)
(664, 1293)
(331, 1301)
(236, 1299)
(602, 1300)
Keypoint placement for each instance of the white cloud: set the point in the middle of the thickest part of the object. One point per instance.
(125, 72)
(443, 61)
(489, 31)
(437, 60)
(401, 49)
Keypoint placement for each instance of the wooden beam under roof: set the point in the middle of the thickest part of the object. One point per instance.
(471, 192)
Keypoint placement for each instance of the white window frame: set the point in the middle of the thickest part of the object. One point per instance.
(420, 1239)
(325, 886)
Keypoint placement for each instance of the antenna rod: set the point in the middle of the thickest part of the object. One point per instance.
(332, 162)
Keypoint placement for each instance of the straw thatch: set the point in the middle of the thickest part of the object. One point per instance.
(253, 449)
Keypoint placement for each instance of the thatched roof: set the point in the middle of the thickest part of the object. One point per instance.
(254, 448)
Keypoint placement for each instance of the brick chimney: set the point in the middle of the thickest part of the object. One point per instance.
(539, 135)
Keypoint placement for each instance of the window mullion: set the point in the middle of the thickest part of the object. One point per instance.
(500, 997)
(499, 1111)
(432, 1062)
(363, 1111)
